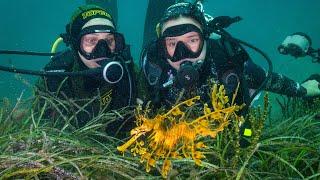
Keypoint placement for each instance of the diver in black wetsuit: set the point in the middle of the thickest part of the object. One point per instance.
(185, 60)
(113, 95)
(220, 61)
(94, 43)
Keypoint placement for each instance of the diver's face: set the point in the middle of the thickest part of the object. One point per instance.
(89, 41)
(192, 40)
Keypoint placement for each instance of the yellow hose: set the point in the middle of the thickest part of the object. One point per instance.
(56, 44)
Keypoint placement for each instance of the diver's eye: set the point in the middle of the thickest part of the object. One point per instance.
(194, 40)
(110, 41)
(171, 43)
(90, 41)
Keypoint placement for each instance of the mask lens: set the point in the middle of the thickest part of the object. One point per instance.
(182, 42)
(186, 46)
(119, 42)
(89, 40)
(191, 40)
(100, 45)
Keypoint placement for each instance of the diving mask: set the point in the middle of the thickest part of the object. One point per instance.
(106, 47)
(183, 41)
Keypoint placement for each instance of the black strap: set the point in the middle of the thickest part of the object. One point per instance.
(236, 57)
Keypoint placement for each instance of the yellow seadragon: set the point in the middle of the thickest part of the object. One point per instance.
(174, 136)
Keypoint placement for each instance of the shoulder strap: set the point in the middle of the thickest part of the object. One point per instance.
(148, 62)
(230, 58)
(235, 52)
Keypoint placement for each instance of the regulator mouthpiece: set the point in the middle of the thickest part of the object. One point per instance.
(112, 71)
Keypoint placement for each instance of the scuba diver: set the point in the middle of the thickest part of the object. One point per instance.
(184, 60)
(183, 46)
(94, 44)
(81, 62)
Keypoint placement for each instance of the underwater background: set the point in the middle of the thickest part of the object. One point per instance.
(34, 25)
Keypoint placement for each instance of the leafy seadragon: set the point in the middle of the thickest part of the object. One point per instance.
(173, 135)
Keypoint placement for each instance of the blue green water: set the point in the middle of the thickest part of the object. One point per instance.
(35, 24)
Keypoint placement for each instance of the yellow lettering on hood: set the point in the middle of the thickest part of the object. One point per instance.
(90, 13)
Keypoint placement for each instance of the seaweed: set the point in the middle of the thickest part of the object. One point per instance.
(35, 147)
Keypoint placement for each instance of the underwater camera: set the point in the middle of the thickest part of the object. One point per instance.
(299, 45)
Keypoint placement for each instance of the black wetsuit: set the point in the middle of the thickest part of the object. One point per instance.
(85, 88)
(221, 61)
